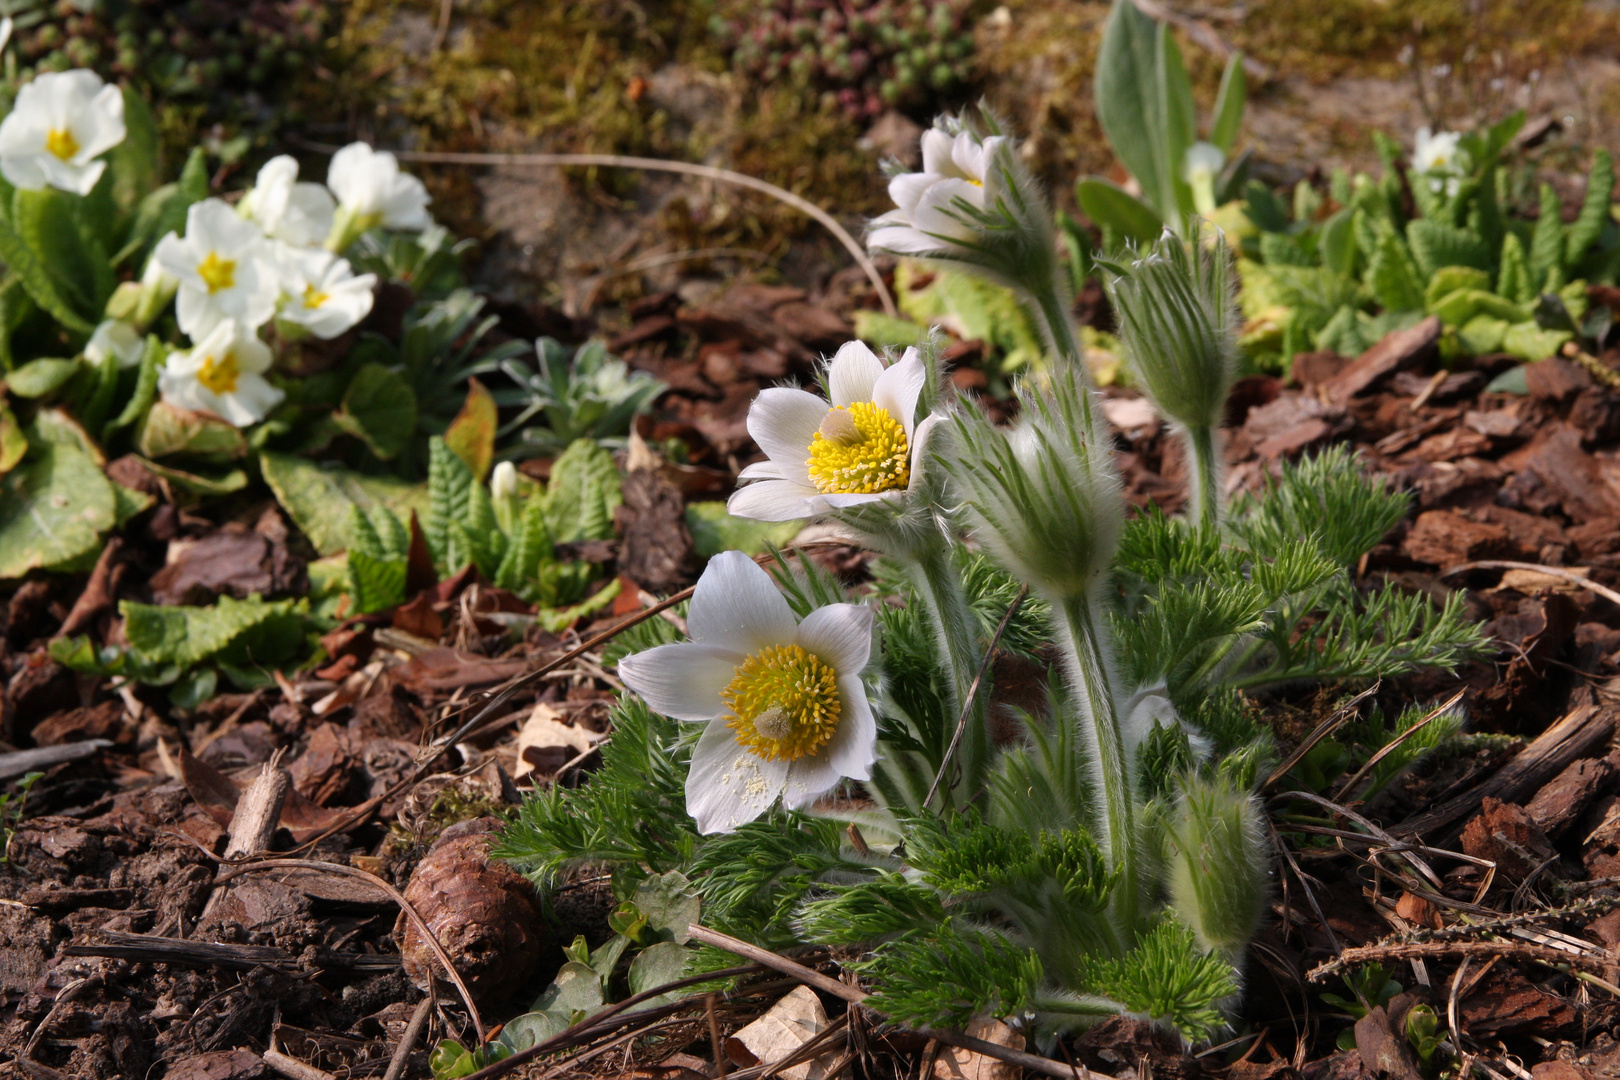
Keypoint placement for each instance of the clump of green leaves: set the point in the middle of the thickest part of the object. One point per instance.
(509, 534)
(11, 811)
(592, 395)
(1338, 270)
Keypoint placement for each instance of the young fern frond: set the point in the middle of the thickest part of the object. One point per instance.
(949, 974)
(1169, 978)
(871, 911)
(1328, 496)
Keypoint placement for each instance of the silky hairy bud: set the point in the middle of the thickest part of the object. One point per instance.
(1042, 497)
(1218, 863)
(1177, 326)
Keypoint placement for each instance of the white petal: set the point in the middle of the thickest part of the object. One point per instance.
(808, 779)
(899, 387)
(936, 151)
(968, 156)
(783, 421)
(919, 448)
(939, 213)
(761, 470)
(728, 786)
(839, 501)
(854, 748)
(904, 240)
(841, 635)
(907, 188)
(853, 373)
(683, 681)
(776, 500)
(737, 607)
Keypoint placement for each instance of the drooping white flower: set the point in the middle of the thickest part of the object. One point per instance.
(786, 711)
(371, 191)
(931, 207)
(222, 374)
(224, 268)
(1204, 162)
(61, 124)
(116, 338)
(287, 209)
(863, 447)
(321, 292)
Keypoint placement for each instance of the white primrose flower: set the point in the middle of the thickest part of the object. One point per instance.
(1437, 156)
(1203, 163)
(864, 447)
(372, 191)
(298, 213)
(932, 212)
(224, 268)
(222, 374)
(321, 292)
(786, 711)
(61, 124)
(116, 338)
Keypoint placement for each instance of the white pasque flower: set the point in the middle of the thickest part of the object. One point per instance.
(783, 700)
(928, 215)
(864, 447)
(224, 268)
(372, 191)
(61, 124)
(321, 292)
(222, 374)
(287, 209)
(116, 338)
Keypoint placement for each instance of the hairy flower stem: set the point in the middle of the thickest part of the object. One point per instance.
(1088, 658)
(1204, 489)
(938, 586)
(1054, 316)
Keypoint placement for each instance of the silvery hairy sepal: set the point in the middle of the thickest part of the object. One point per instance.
(974, 206)
(1042, 497)
(1178, 325)
(1218, 861)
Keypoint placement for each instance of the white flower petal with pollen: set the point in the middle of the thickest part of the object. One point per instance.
(853, 750)
(776, 500)
(683, 680)
(854, 371)
(728, 786)
(737, 607)
(783, 421)
(898, 389)
(841, 635)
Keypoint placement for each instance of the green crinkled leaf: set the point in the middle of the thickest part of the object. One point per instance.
(51, 223)
(375, 583)
(53, 509)
(670, 905)
(134, 164)
(556, 620)
(198, 483)
(1460, 306)
(30, 266)
(1529, 341)
(450, 485)
(1547, 241)
(1448, 279)
(1482, 334)
(714, 530)
(38, 378)
(319, 499)
(1436, 245)
(379, 408)
(168, 430)
(582, 494)
(1129, 106)
(1589, 223)
(1393, 276)
(658, 965)
(241, 632)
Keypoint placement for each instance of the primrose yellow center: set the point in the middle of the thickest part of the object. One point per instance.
(61, 143)
(219, 373)
(217, 273)
(860, 449)
(313, 297)
(783, 703)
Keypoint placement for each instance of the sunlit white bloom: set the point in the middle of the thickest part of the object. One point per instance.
(222, 374)
(299, 213)
(503, 482)
(61, 124)
(1435, 152)
(5, 32)
(786, 711)
(224, 268)
(321, 292)
(932, 207)
(371, 191)
(864, 447)
(116, 338)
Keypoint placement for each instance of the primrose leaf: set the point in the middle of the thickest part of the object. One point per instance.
(242, 632)
(670, 904)
(472, 432)
(583, 493)
(53, 509)
(319, 499)
(379, 408)
(169, 429)
(658, 965)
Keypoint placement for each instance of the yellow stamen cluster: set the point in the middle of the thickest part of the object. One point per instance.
(861, 449)
(313, 297)
(61, 143)
(783, 703)
(219, 373)
(217, 273)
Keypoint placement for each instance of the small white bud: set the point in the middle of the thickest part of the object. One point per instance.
(503, 483)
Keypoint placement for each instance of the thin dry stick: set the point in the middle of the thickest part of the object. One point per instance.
(407, 1041)
(255, 821)
(1299, 875)
(832, 986)
(1323, 730)
(721, 1065)
(1403, 950)
(708, 172)
(1394, 744)
(1551, 571)
(973, 692)
(398, 897)
(500, 697)
(292, 1068)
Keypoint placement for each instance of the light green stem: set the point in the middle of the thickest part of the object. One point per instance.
(938, 585)
(1113, 769)
(1204, 483)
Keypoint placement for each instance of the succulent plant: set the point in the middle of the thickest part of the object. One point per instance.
(864, 56)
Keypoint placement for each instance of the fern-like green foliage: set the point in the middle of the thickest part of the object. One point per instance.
(950, 973)
(1169, 976)
(462, 527)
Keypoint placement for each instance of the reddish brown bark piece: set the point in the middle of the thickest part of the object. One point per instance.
(1398, 350)
(1561, 800)
(482, 912)
(1445, 538)
(1292, 423)
(1586, 487)
(1505, 834)
(1509, 1002)
(105, 721)
(234, 561)
(1555, 379)
(224, 1065)
(1380, 1047)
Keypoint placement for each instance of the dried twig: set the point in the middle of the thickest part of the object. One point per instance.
(292, 1068)
(1402, 950)
(1323, 730)
(1551, 571)
(1394, 744)
(407, 1041)
(972, 693)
